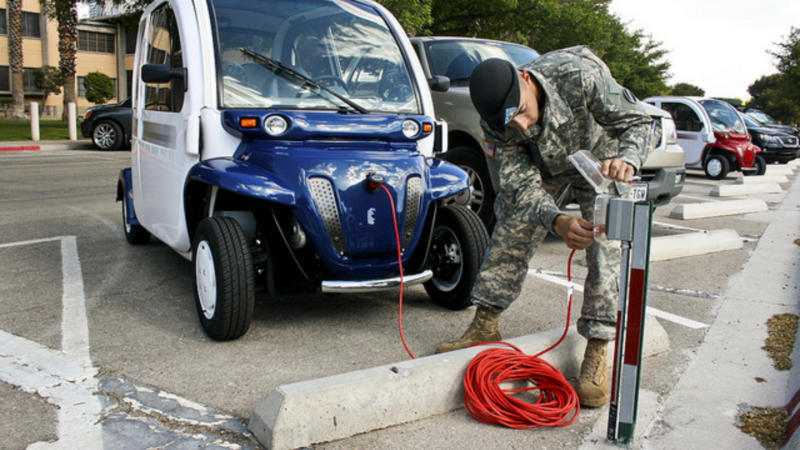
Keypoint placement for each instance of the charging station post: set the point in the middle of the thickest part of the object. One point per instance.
(630, 222)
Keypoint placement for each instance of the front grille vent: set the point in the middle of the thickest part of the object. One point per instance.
(325, 199)
(413, 199)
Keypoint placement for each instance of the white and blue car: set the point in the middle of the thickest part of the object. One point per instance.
(266, 136)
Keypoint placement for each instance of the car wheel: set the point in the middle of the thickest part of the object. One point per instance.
(457, 246)
(481, 189)
(107, 135)
(716, 167)
(223, 278)
(760, 166)
(134, 234)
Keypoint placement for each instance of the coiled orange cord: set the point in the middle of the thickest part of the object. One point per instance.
(488, 402)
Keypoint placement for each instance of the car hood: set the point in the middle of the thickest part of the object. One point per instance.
(767, 131)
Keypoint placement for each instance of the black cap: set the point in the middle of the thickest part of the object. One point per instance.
(494, 90)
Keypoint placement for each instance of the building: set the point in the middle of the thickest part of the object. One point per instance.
(104, 45)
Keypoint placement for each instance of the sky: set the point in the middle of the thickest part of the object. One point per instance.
(718, 45)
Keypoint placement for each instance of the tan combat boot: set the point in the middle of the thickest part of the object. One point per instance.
(482, 329)
(593, 381)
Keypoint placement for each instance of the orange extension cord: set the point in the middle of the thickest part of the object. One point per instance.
(485, 400)
(488, 402)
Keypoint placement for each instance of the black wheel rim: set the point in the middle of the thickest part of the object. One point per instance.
(447, 262)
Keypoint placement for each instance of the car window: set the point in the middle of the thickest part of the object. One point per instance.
(456, 59)
(164, 47)
(685, 118)
(342, 45)
(723, 117)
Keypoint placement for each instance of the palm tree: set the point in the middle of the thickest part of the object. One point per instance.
(66, 13)
(15, 57)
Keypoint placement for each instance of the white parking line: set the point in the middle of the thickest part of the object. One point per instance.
(681, 227)
(64, 378)
(650, 310)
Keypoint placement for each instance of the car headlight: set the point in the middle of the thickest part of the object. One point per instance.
(768, 139)
(275, 125)
(87, 114)
(410, 128)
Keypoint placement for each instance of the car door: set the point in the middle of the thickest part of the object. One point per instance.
(691, 130)
(161, 150)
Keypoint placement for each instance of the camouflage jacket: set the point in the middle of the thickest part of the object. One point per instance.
(584, 108)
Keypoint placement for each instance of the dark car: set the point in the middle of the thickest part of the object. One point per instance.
(776, 146)
(767, 120)
(109, 126)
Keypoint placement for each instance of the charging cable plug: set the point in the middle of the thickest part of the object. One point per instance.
(374, 182)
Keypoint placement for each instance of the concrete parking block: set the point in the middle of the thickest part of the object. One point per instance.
(782, 169)
(721, 208)
(730, 190)
(692, 244)
(761, 179)
(301, 414)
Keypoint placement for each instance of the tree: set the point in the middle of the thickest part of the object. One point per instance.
(413, 15)
(634, 58)
(66, 13)
(99, 87)
(779, 94)
(769, 95)
(15, 57)
(48, 79)
(687, 89)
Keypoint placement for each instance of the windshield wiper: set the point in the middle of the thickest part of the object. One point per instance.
(298, 78)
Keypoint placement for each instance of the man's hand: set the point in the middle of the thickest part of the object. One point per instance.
(618, 170)
(576, 231)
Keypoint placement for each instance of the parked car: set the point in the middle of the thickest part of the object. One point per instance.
(767, 120)
(109, 126)
(448, 63)
(713, 136)
(776, 146)
(271, 137)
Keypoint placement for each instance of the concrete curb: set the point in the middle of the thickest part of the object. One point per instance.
(693, 244)
(715, 209)
(760, 179)
(729, 190)
(301, 414)
(81, 144)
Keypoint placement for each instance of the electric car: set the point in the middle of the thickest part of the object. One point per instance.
(290, 145)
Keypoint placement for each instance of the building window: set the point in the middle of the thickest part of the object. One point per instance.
(3, 23)
(27, 81)
(28, 86)
(82, 87)
(91, 41)
(30, 24)
(130, 40)
(5, 79)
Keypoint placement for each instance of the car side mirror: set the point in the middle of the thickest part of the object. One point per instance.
(162, 73)
(439, 83)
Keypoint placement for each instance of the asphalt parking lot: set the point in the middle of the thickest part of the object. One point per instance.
(77, 303)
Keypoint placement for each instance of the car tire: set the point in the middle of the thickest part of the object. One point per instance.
(760, 165)
(458, 243)
(134, 234)
(716, 167)
(107, 135)
(482, 191)
(224, 281)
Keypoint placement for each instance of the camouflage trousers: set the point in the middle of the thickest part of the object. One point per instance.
(513, 244)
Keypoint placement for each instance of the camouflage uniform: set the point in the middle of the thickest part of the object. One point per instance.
(583, 108)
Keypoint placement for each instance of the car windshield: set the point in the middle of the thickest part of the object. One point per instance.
(723, 117)
(751, 122)
(761, 117)
(344, 48)
(456, 59)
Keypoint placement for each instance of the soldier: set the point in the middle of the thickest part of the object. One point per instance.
(561, 102)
